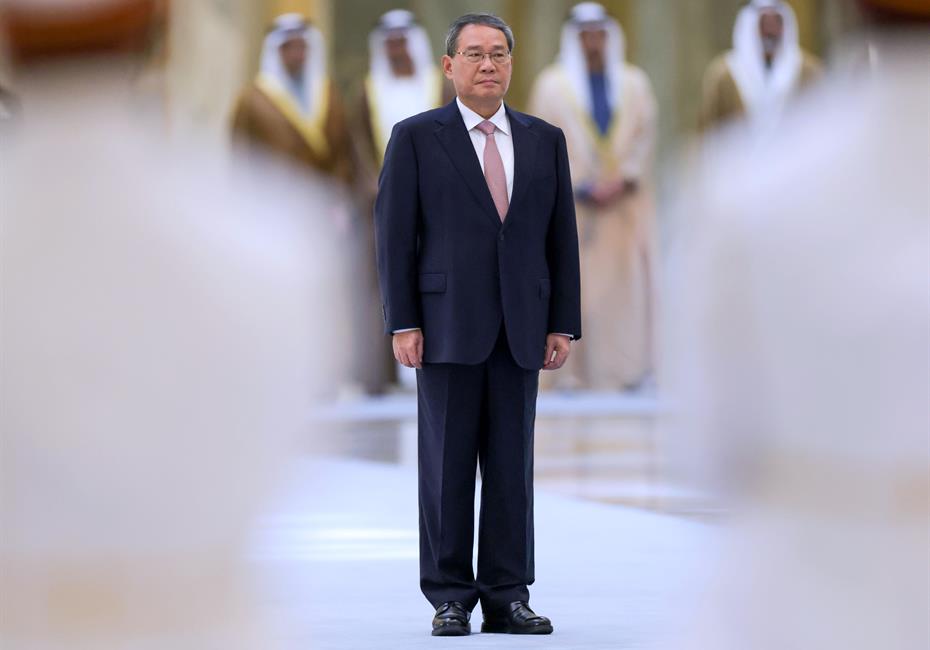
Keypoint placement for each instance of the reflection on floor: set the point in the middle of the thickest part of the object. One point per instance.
(337, 558)
(337, 553)
(598, 446)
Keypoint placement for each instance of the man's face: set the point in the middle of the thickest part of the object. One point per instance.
(771, 29)
(482, 82)
(594, 45)
(395, 46)
(398, 55)
(293, 55)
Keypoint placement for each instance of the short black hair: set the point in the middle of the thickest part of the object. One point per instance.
(452, 36)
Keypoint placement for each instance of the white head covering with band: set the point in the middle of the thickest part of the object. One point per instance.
(586, 16)
(285, 28)
(765, 90)
(393, 23)
(392, 98)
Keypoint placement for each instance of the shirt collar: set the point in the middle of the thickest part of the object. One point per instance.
(472, 119)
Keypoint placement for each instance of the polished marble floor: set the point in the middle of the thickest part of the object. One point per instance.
(619, 546)
(337, 558)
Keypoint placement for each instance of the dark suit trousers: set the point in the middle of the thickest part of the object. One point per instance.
(476, 416)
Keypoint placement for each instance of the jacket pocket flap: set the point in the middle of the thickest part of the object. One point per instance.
(432, 282)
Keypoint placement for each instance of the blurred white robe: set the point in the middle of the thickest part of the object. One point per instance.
(617, 243)
(799, 330)
(158, 313)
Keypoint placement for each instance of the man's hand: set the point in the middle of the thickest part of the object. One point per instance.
(558, 347)
(408, 348)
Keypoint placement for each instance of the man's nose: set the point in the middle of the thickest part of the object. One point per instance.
(487, 65)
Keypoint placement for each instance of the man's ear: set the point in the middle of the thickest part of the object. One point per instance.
(447, 66)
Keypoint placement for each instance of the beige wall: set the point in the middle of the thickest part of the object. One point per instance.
(210, 46)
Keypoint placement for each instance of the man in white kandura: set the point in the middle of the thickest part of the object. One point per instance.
(607, 110)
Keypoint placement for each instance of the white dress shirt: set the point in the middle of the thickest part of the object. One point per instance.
(502, 138)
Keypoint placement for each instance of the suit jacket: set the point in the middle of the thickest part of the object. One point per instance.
(448, 265)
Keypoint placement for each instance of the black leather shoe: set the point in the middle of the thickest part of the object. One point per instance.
(517, 619)
(451, 619)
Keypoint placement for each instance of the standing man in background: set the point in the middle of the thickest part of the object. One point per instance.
(478, 262)
(293, 112)
(608, 112)
(292, 109)
(403, 80)
(765, 68)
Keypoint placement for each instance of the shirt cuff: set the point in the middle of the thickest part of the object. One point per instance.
(409, 329)
(572, 338)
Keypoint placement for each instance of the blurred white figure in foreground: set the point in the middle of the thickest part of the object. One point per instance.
(801, 324)
(155, 337)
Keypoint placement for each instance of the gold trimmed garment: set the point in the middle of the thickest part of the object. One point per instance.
(617, 240)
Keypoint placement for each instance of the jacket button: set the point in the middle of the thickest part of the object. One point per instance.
(501, 237)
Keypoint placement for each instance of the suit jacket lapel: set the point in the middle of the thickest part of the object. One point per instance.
(457, 143)
(524, 154)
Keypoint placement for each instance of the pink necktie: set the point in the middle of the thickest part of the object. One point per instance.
(494, 169)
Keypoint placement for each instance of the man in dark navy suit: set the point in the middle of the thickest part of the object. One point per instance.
(478, 264)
